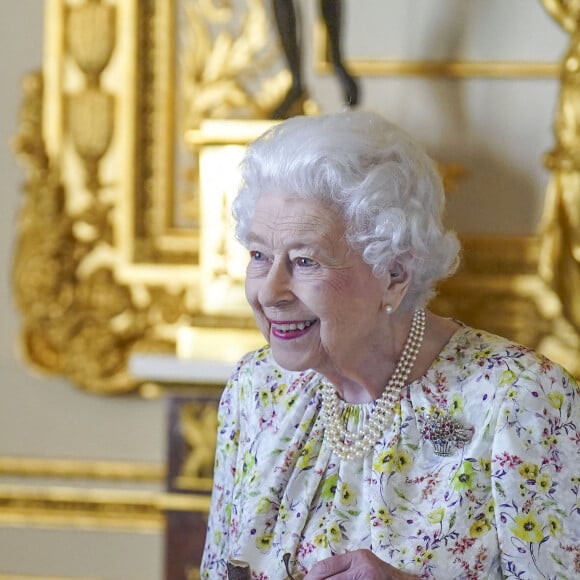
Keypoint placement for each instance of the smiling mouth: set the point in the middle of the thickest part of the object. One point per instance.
(289, 327)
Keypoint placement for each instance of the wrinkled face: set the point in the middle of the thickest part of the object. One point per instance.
(315, 300)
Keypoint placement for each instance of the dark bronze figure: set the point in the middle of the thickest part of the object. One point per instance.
(288, 28)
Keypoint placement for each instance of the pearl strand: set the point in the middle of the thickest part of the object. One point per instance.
(350, 445)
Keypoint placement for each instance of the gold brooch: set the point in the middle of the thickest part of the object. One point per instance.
(445, 433)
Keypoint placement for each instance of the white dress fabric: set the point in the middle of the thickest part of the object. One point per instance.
(503, 504)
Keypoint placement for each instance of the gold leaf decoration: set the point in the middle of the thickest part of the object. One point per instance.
(230, 72)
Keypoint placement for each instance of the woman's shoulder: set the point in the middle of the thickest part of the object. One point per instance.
(489, 350)
(470, 338)
(259, 360)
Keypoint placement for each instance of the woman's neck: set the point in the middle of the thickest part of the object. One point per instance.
(367, 382)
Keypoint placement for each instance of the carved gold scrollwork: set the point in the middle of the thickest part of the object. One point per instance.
(198, 425)
(45, 232)
(559, 261)
(68, 310)
(229, 75)
(78, 320)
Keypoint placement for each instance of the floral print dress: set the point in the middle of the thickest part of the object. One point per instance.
(503, 503)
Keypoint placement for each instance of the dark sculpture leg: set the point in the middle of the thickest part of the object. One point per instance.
(332, 13)
(285, 14)
(287, 23)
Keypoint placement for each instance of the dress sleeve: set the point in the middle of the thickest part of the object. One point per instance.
(216, 548)
(536, 473)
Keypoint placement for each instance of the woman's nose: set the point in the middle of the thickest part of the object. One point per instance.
(276, 285)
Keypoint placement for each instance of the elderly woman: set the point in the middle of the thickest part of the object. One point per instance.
(371, 438)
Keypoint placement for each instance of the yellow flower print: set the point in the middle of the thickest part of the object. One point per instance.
(279, 391)
(456, 404)
(289, 403)
(556, 400)
(263, 505)
(403, 461)
(489, 508)
(479, 527)
(329, 487)
(384, 516)
(305, 455)
(555, 525)
(527, 528)
(529, 470)
(485, 465)
(424, 557)
(463, 478)
(263, 542)
(550, 441)
(485, 353)
(248, 467)
(507, 378)
(347, 494)
(264, 398)
(544, 482)
(334, 532)
(390, 460)
(249, 462)
(320, 541)
(436, 516)
(384, 462)
(511, 394)
(283, 513)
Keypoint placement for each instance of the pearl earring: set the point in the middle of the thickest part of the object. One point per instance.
(388, 309)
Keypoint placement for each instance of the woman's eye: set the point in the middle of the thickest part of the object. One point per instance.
(304, 262)
(256, 255)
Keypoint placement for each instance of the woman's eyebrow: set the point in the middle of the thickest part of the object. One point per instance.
(302, 243)
(254, 238)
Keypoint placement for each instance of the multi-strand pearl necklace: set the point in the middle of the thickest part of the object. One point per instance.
(348, 444)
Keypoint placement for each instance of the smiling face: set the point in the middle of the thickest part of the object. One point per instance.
(315, 300)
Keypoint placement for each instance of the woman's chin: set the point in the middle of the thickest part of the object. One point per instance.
(291, 361)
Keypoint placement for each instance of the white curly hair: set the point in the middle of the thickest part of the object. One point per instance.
(380, 180)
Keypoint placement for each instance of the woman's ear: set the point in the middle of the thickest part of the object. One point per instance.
(397, 283)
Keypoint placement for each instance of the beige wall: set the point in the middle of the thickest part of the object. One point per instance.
(498, 129)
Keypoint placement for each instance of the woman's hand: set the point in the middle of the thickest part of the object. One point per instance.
(356, 565)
